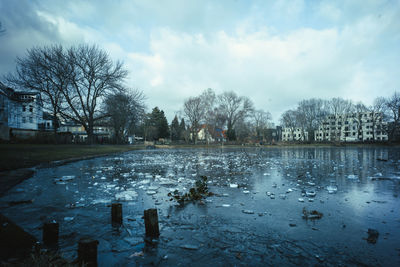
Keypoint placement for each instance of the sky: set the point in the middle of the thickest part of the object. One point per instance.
(277, 53)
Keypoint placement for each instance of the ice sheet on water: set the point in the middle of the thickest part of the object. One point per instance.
(126, 195)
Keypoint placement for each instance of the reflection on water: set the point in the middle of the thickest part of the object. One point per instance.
(254, 218)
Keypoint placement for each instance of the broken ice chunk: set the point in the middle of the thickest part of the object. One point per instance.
(233, 185)
(126, 195)
(310, 193)
(301, 199)
(331, 189)
(248, 211)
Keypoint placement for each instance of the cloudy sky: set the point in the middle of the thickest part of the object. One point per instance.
(275, 52)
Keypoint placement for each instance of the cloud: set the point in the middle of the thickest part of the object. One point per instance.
(275, 52)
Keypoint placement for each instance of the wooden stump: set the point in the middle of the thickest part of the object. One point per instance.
(116, 213)
(87, 252)
(50, 233)
(151, 223)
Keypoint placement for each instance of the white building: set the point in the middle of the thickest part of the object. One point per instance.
(354, 127)
(19, 110)
(294, 134)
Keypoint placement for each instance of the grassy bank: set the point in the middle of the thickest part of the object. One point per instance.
(14, 156)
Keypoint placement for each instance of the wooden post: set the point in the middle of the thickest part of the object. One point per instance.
(87, 252)
(151, 223)
(116, 213)
(50, 233)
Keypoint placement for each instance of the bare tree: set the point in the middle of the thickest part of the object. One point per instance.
(310, 114)
(359, 109)
(393, 105)
(234, 108)
(289, 120)
(378, 110)
(94, 76)
(125, 110)
(46, 71)
(340, 109)
(194, 110)
(262, 120)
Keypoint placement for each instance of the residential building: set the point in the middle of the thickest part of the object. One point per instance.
(22, 110)
(102, 133)
(353, 127)
(294, 134)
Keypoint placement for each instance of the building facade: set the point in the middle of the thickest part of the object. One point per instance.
(294, 135)
(354, 127)
(19, 110)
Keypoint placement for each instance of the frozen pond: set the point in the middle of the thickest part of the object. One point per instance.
(254, 218)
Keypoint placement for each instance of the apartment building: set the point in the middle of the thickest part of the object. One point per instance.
(353, 127)
(294, 134)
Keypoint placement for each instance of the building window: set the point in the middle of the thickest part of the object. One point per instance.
(23, 120)
(23, 108)
(30, 119)
(30, 109)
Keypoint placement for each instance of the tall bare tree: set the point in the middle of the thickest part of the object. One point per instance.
(234, 108)
(262, 120)
(378, 112)
(194, 110)
(125, 110)
(340, 109)
(289, 120)
(44, 70)
(393, 105)
(94, 76)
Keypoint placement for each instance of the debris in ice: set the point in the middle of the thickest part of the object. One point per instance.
(312, 215)
(68, 219)
(248, 211)
(126, 195)
(151, 192)
(289, 190)
(310, 200)
(103, 178)
(331, 189)
(226, 205)
(311, 183)
(282, 196)
(268, 193)
(301, 199)
(292, 225)
(272, 196)
(233, 185)
(372, 235)
(310, 193)
(137, 254)
(189, 247)
(246, 191)
(146, 181)
(266, 174)
(274, 185)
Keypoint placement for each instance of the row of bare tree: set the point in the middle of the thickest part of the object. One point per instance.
(311, 113)
(226, 110)
(81, 84)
